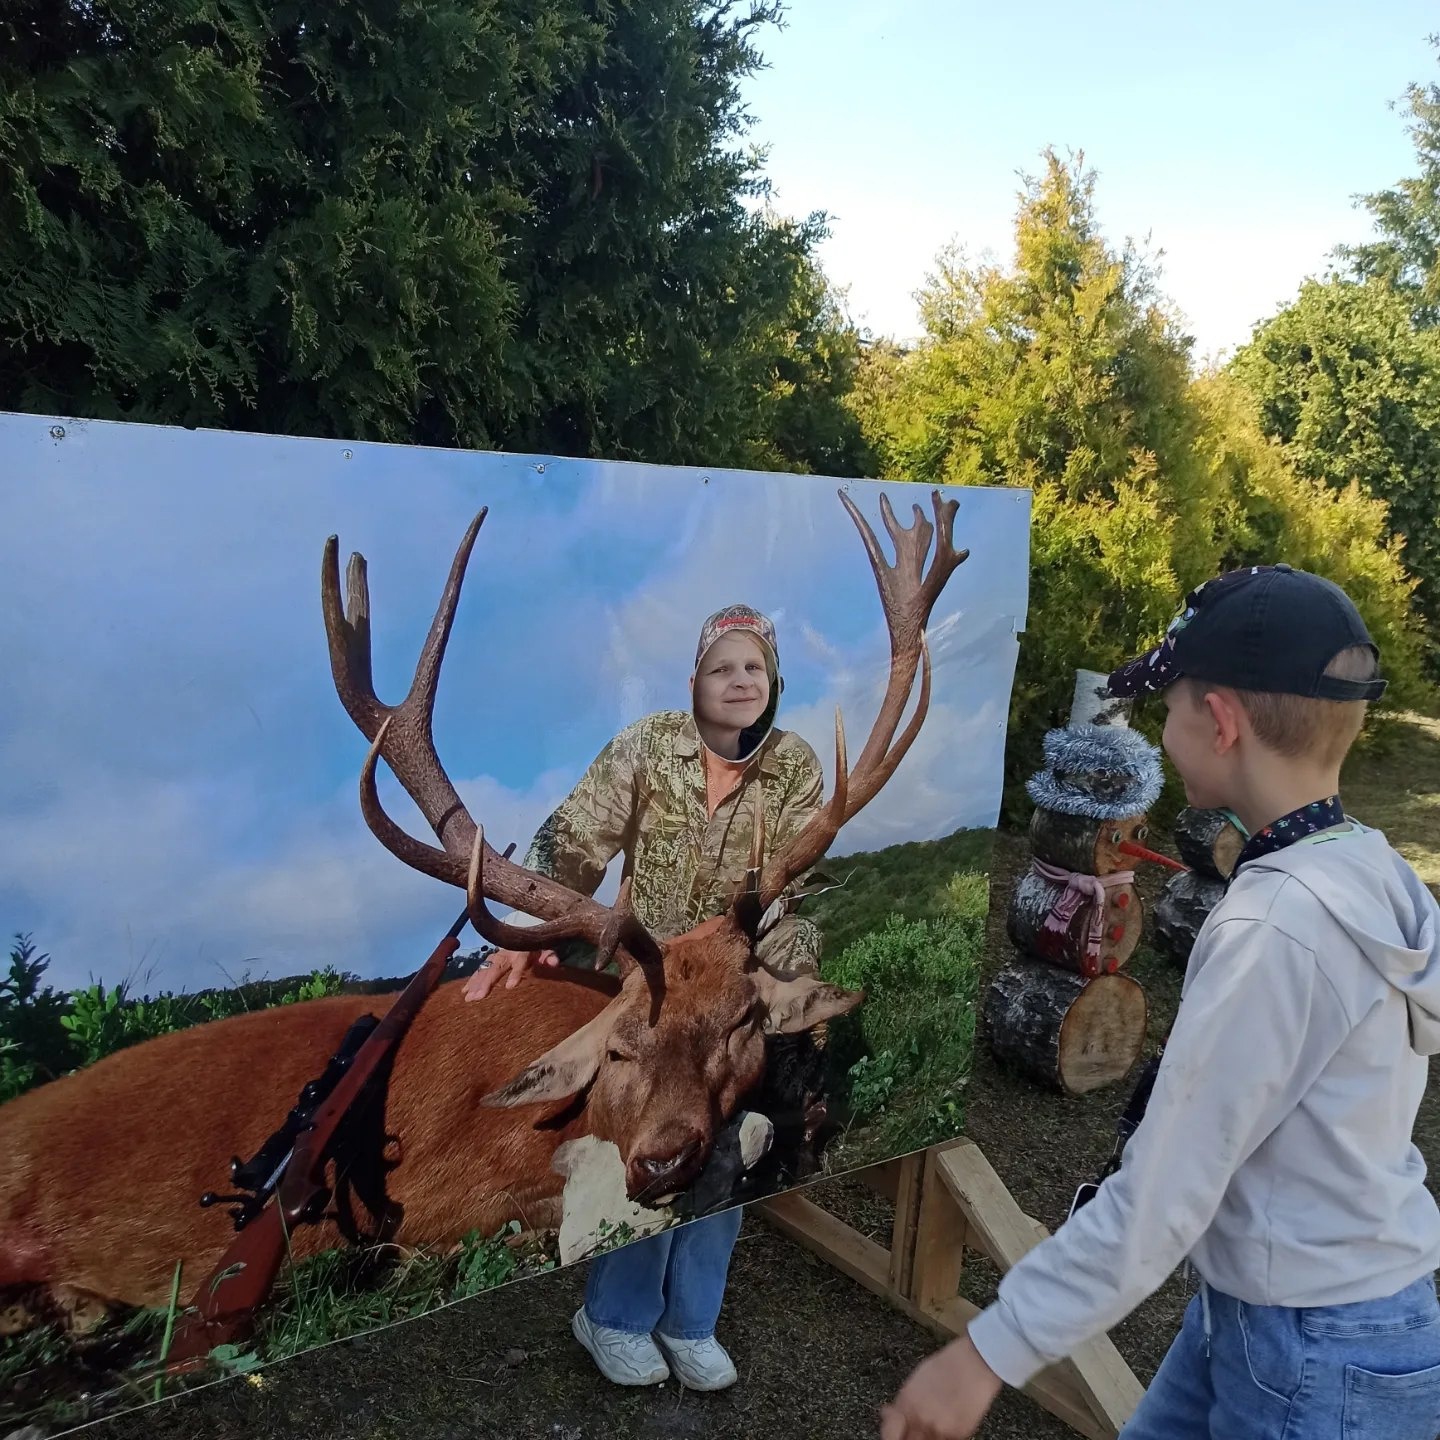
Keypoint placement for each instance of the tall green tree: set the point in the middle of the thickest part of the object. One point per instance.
(1066, 372)
(1405, 255)
(526, 224)
(1351, 390)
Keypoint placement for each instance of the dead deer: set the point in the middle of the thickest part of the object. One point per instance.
(102, 1168)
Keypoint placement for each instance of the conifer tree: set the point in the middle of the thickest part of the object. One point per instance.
(522, 224)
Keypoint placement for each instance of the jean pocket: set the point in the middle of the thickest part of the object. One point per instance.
(1391, 1407)
(1274, 1352)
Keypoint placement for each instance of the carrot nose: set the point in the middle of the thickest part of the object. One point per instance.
(1129, 847)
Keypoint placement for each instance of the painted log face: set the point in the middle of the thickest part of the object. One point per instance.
(1077, 842)
(1208, 841)
(1067, 1032)
(1181, 910)
(1121, 926)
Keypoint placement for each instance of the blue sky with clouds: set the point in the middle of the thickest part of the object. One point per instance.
(1234, 134)
(178, 779)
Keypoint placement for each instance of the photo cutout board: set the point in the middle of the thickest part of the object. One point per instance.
(277, 827)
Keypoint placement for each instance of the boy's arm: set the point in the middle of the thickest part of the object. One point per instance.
(1255, 1028)
(576, 843)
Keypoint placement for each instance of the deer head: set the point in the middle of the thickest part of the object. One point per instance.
(667, 1061)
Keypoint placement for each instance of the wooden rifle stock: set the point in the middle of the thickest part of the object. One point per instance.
(223, 1309)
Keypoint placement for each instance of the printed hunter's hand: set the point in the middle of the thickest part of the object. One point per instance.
(512, 964)
(945, 1398)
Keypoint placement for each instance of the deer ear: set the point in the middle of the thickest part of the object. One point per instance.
(561, 1071)
(802, 1003)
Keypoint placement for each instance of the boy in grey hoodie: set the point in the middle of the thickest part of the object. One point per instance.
(1276, 1154)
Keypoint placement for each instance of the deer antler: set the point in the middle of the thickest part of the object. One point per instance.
(402, 733)
(908, 593)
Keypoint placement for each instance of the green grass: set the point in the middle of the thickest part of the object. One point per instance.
(909, 928)
(912, 880)
(330, 1296)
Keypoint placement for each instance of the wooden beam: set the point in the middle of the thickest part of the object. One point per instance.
(941, 1238)
(864, 1261)
(905, 1230)
(1007, 1234)
(883, 1179)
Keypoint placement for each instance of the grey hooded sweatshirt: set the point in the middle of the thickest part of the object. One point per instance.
(1276, 1150)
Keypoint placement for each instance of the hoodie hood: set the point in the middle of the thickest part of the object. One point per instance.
(1379, 901)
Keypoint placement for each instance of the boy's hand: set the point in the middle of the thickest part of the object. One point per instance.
(512, 965)
(945, 1398)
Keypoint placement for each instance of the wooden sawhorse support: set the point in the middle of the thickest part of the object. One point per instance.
(948, 1199)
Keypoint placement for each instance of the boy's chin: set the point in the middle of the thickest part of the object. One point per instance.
(1198, 798)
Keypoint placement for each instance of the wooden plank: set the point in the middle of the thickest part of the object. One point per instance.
(1006, 1234)
(941, 1238)
(883, 1179)
(832, 1239)
(905, 1229)
(868, 1263)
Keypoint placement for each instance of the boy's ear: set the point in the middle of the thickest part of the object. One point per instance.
(1229, 717)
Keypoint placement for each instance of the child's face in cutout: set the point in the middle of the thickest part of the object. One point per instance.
(1191, 738)
(732, 685)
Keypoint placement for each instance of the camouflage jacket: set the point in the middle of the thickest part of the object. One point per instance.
(645, 796)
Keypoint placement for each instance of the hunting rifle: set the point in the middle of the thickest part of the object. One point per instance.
(292, 1190)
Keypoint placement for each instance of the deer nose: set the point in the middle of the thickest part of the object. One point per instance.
(654, 1177)
(655, 1165)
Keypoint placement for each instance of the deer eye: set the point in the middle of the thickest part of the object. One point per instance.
(617, 1055)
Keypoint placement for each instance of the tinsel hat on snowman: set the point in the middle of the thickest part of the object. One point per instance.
(1097, 766)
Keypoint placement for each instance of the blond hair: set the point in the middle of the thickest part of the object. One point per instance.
(1300, 725)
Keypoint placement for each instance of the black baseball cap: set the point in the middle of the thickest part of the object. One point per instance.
(1268, 628)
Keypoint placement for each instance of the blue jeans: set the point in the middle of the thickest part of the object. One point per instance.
(673, 1282)
(1367, 1371)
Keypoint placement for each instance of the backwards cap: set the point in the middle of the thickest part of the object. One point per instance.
(1268, 629)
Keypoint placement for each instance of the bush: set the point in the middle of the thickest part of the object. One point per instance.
(906, 1053)
(1351, 390)
(45, 1034)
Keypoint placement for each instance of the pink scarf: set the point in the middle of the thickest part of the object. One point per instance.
(1079, 890)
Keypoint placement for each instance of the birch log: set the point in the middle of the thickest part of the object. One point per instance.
(1121, 926)
(1180, 912)
(1078, 842)
(1208, 841)
(1069, 1033)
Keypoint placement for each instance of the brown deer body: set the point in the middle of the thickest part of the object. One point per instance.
(102, 1170)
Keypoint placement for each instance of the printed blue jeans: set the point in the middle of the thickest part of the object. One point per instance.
(673, 1282)
(1367, 1371)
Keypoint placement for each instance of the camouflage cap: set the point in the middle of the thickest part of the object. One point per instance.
(737, 617)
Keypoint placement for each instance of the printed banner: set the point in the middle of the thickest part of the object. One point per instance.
(552, 771)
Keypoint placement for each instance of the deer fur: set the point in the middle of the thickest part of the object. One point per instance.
(104, 1168)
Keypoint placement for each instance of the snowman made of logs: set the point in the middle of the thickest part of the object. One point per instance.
(1064, 1012)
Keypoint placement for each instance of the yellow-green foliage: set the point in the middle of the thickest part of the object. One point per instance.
(1068, 374)
(1274, 512)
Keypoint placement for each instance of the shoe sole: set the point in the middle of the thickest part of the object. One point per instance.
(583, 1336)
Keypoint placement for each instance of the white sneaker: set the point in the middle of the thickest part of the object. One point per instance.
(699, 1364)
(620, 1356)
